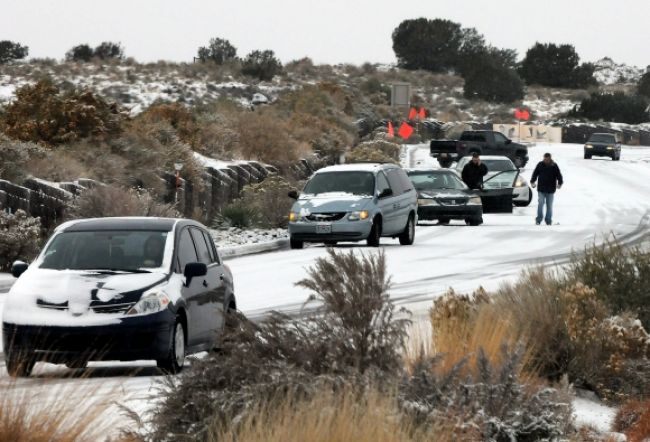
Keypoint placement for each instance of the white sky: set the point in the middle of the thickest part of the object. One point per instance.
(328, 31)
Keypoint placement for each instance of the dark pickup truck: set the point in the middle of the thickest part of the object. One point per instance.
(485, 142)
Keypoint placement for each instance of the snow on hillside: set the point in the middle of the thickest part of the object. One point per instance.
(608, 72)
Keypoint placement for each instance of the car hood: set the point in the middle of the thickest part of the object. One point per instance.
(330, 202)
(55, 294)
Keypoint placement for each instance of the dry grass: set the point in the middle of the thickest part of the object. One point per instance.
(330, 417)
(57, 413)
(633, 419)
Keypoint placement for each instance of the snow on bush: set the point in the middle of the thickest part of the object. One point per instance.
(19, 237)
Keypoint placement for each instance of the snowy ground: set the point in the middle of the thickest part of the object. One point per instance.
(235, 237)
(600, 197)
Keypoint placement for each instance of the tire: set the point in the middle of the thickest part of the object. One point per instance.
(375, 234)
(407, 237)
(20, 363)
(587, 156)
(445, 164)
(443, 221)
(172, 363)
(519, 162)
(525, 203)
(295, 243)
(475, 222)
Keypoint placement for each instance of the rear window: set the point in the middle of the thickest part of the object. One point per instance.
(473, 136)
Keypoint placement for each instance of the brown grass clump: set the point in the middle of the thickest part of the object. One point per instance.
(633, 419)
(105, 201)
(48, 413)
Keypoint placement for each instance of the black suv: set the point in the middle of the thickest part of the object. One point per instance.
(603, 145)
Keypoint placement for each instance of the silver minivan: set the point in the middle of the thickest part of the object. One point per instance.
(354, 202)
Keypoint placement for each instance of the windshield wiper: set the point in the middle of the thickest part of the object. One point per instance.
(114, 271)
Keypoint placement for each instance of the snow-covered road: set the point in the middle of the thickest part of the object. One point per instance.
(599, 197)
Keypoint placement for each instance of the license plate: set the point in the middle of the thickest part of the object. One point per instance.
(443, 155)
(323, 228)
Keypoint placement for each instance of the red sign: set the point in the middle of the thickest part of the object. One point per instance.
(422, 114)
(413, 113)
(391, 130)
(405, 131)
(522, 114)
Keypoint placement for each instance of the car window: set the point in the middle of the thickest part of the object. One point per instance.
(382, 183)
(105, 250)
(201, 247)
(186, 250)
(499, 138)
(353, 182)
(424, 181)
(602, 138)
(399, 181)
(501, 180)
(499, 165)
(212, 247)
(472, 136)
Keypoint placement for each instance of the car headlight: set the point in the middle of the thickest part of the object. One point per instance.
(475, 200)
(427, 202)
(610, 147)
(151, 302)
(588, 146)
(520, 182)
(360, 215)
(293, 216)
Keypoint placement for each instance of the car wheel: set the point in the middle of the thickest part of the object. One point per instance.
(173, 361)
(407, 237)
(474, 221)
(587, 156)
(445, 164)
(375, 234)
(295, 243)
(519, 162)
(525, 203)
(19, 363)
(443, 221)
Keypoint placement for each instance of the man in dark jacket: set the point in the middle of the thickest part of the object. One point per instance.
(473, 172)
(550, 179)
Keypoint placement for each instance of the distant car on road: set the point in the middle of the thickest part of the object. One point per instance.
(484, 142)
(522, 193)
(443, 196)
(603, 145)
(118, 289)
(354, 202)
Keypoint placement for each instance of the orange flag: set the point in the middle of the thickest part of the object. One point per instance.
(391, 130)
(422, 114)
(405, 131)
(412, 113)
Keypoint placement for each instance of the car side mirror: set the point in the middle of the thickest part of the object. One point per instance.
(193, 270)
(293, 194)
(508, 141)
(18, 268)
(384, 193)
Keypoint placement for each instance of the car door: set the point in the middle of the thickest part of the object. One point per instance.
(193, 292)
(386, 202)
(403, 195)
(211, 304)
(501, 145)
(496, 194)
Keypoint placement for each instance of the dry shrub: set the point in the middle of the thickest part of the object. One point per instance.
(14, 157)
(375, 151)
(42, 113)
(266, 138)
(176, 115)
(106, 201)
(50, 413)
(19, 238)
(58, 166)
(268, 202)
(633, 419)
(331, 417)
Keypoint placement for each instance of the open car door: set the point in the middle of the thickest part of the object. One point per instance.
(497, 192)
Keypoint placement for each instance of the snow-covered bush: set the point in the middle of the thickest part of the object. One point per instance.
(14, 157)
(355, 340)
(236, 214)
(269, 201)
(103, 201)
(491, 402)
(19, 237)
(375, 151)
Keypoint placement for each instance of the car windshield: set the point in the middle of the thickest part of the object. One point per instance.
(353, 182)
(499, 165)
(423, 181)
(501, 180)
(602, 138)
(119, 251)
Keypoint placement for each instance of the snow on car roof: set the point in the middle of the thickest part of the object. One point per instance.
(356, 167)
(121, 223)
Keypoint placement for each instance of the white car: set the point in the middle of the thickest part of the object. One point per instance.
(522, 194)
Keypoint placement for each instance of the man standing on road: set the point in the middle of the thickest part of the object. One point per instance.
(550, 179)
(473, 172)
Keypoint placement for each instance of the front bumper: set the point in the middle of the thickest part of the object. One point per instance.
(429, 213)
(340, 231)
(140, 337)
(600, 152)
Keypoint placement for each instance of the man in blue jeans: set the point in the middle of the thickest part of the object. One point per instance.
(550, 179)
